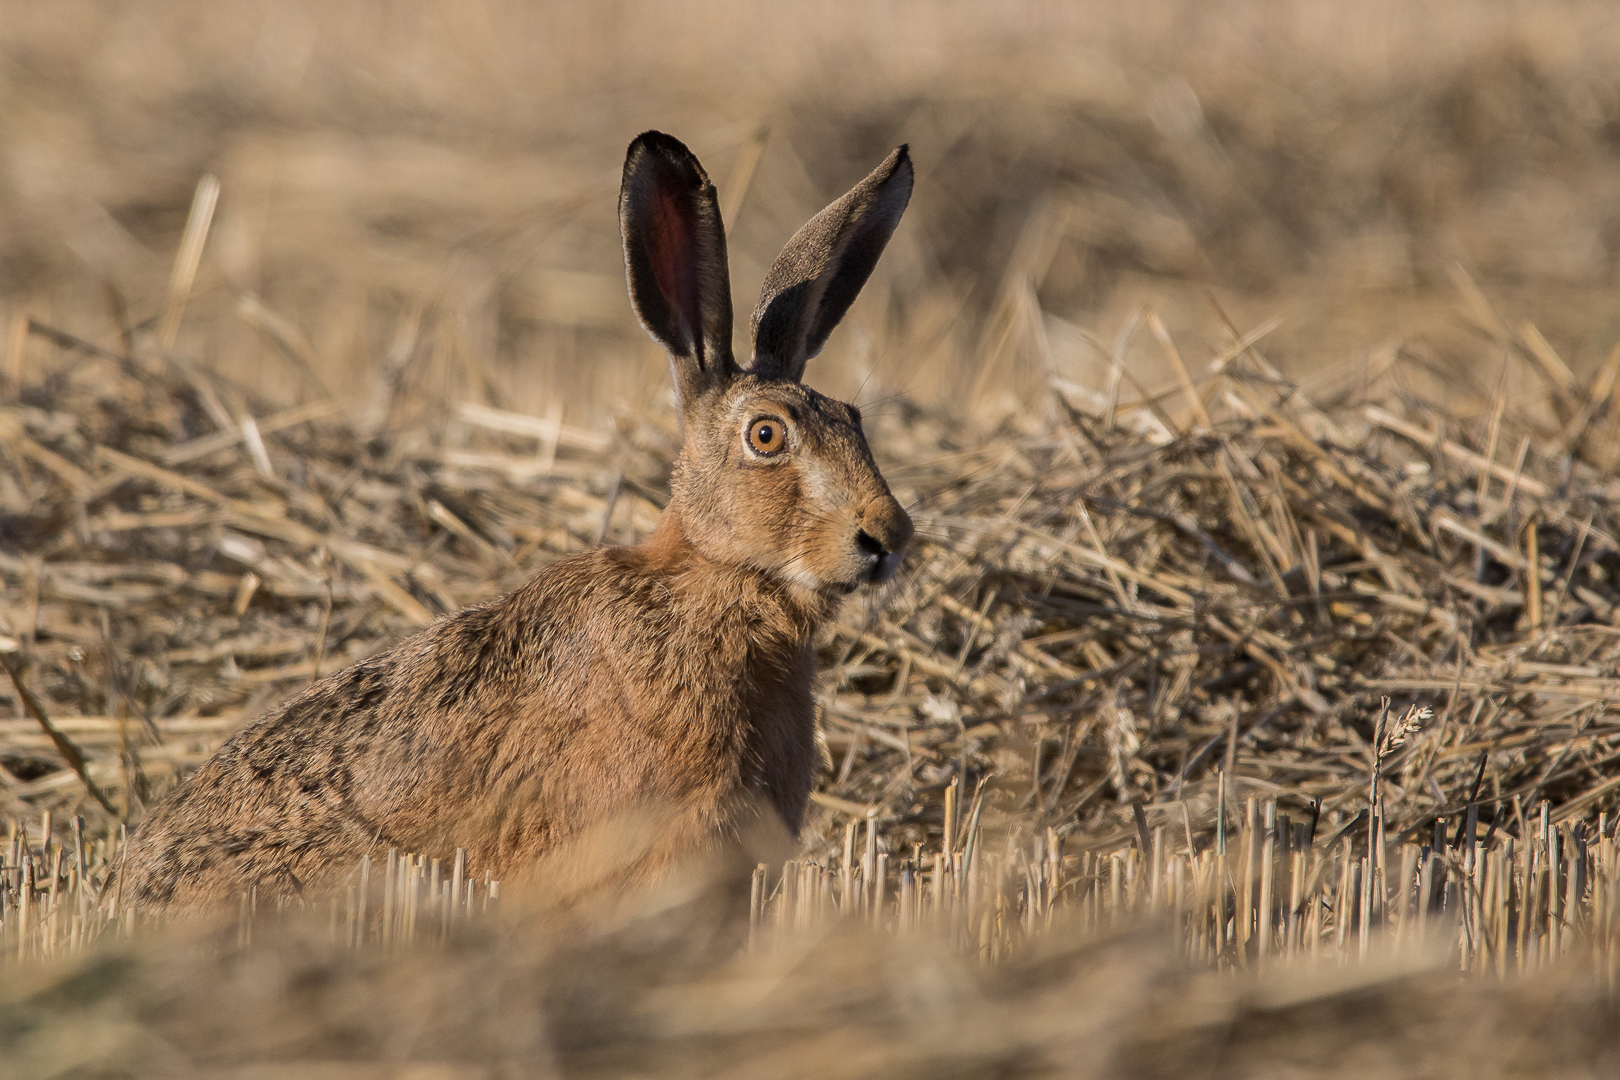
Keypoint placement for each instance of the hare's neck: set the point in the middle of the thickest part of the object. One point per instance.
(670, 553)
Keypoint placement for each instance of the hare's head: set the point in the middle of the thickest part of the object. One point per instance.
(772, 474)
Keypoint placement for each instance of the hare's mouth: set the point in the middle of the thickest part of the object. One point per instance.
(879, 567)
(885, 567)
(881, 562)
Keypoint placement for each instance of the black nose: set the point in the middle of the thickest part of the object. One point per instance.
(869, 544)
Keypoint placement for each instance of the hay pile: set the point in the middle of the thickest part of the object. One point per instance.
(1099, 616)
(1111, 610)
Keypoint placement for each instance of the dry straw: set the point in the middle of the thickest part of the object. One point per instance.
(1166, 631)
(1116, 672)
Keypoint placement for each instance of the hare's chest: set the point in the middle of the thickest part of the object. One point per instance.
(746, 723)
(779, 745)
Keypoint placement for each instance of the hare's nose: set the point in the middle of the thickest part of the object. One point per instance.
(885, 530)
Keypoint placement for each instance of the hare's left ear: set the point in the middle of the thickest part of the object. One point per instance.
(821, 270)
(675, 259)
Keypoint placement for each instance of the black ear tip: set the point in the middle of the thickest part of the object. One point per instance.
(901, 157)
(657, 141)
(668, 148)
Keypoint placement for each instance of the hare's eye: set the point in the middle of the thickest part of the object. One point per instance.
(766, 436)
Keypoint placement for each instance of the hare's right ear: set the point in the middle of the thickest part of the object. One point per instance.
(821, 270)
(675, 259)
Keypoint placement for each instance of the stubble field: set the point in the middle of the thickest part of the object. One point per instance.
(1252, 374)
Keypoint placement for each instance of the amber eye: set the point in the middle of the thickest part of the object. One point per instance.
(766, 435)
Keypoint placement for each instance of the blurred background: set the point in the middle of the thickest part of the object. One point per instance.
(416, 211)
(417, 202)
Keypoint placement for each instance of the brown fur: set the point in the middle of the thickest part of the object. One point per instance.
(672, 678)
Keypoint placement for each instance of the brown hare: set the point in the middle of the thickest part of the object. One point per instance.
(674, 676)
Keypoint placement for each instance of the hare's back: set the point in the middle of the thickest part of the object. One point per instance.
(280, 805)
(369, 757)
(517, 702)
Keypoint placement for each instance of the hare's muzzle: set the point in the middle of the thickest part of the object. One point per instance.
(884, 531)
